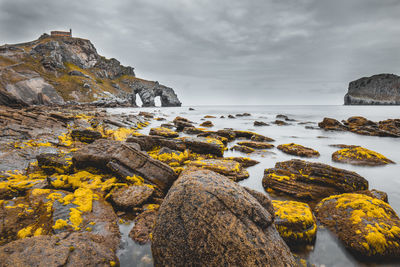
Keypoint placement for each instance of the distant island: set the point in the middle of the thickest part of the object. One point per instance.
(381, 89)
(60, 69)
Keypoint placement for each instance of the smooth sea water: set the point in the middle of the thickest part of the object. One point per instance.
(327, 251)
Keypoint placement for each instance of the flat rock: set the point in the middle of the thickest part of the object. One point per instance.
(55, 163)
(256, 145)
(125, 160)
(311, 180)
(230, 168)
(164, 132)
(367, 227)
(295, 222)
(204, 145)
(131, 196)
(357, 155)
(206, 219)
(298, 150)
(245, 162)
(150, 142)
(260, 123)
(253, 136)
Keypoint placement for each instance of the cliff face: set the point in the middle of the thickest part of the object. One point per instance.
(381, 89)
(58, 70)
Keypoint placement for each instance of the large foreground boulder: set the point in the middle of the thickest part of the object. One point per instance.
(125, 160)
(208, 220)
(311, 180)
(367, 226)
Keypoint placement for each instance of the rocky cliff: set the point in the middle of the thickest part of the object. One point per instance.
(381, 89)
(62, 70)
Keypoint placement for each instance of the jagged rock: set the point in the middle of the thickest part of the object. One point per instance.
(368, 227)
(310, 180)
(192, 130)
(204, 145)
(164, 132)
(206, 219)
(230, 168)
(363, 126)
(381, 89)
(85, 135)
(253, 136)
(295, 222)
(243, 149)
(55, 163)
(332, 124)
(181, 123)
(149, 142)
(125, 160)
(207, 124)
(357, 155)
(256, 145)
(298, 150)
(131, 196)
(77, 73)
(245, 162)
(144, 224)
(260, 123)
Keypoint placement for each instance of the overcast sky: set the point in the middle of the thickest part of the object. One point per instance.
(229, 51)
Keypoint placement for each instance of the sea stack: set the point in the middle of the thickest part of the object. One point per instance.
(381, 89)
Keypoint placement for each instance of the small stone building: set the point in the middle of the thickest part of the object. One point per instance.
(61, 33)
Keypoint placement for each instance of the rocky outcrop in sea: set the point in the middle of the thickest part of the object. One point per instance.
(66, 70)
(381, 89)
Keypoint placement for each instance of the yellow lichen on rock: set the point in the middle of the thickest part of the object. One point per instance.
(295, 222)
(357, 155)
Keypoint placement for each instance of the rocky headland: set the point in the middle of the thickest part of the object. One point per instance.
(381, 89)
(55, 70)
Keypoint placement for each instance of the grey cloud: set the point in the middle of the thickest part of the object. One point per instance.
(230, 52)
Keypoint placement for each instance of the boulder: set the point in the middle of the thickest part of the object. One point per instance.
(295, 222)
(65, 249)
(243, 149)
(125, 160)
(357, 155)
(180, 123)
(256, 145)
(144, 224)
(150, 142)
(367, 227)
(311, 181)
(231, 169)
(204, 145)
(280, 123)
(207, 124)
(164, 132)
(206, 219)
(332, 125)
(131, 196)
(298, 150)
(245, 162)
(253, 136)
(260, 123)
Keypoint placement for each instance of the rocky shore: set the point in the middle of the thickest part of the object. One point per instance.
(70, 175)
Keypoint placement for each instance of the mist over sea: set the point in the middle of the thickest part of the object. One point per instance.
(327, 251)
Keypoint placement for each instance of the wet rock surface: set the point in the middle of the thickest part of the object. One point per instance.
(295, 222)
(229, 168)
(368, 227)
(298, 150)
(310, 180)
(357, 155)
(256, 145)
(144, 224)
(131, 196)
(363, 126)
(205, 219)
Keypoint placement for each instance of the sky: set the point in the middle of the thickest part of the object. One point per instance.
(228, 52)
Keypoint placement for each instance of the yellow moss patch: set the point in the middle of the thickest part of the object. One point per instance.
(25, 232)
(360, 153)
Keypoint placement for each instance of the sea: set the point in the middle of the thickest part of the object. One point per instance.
(328, 250)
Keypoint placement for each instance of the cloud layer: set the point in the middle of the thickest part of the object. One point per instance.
(229, 52)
